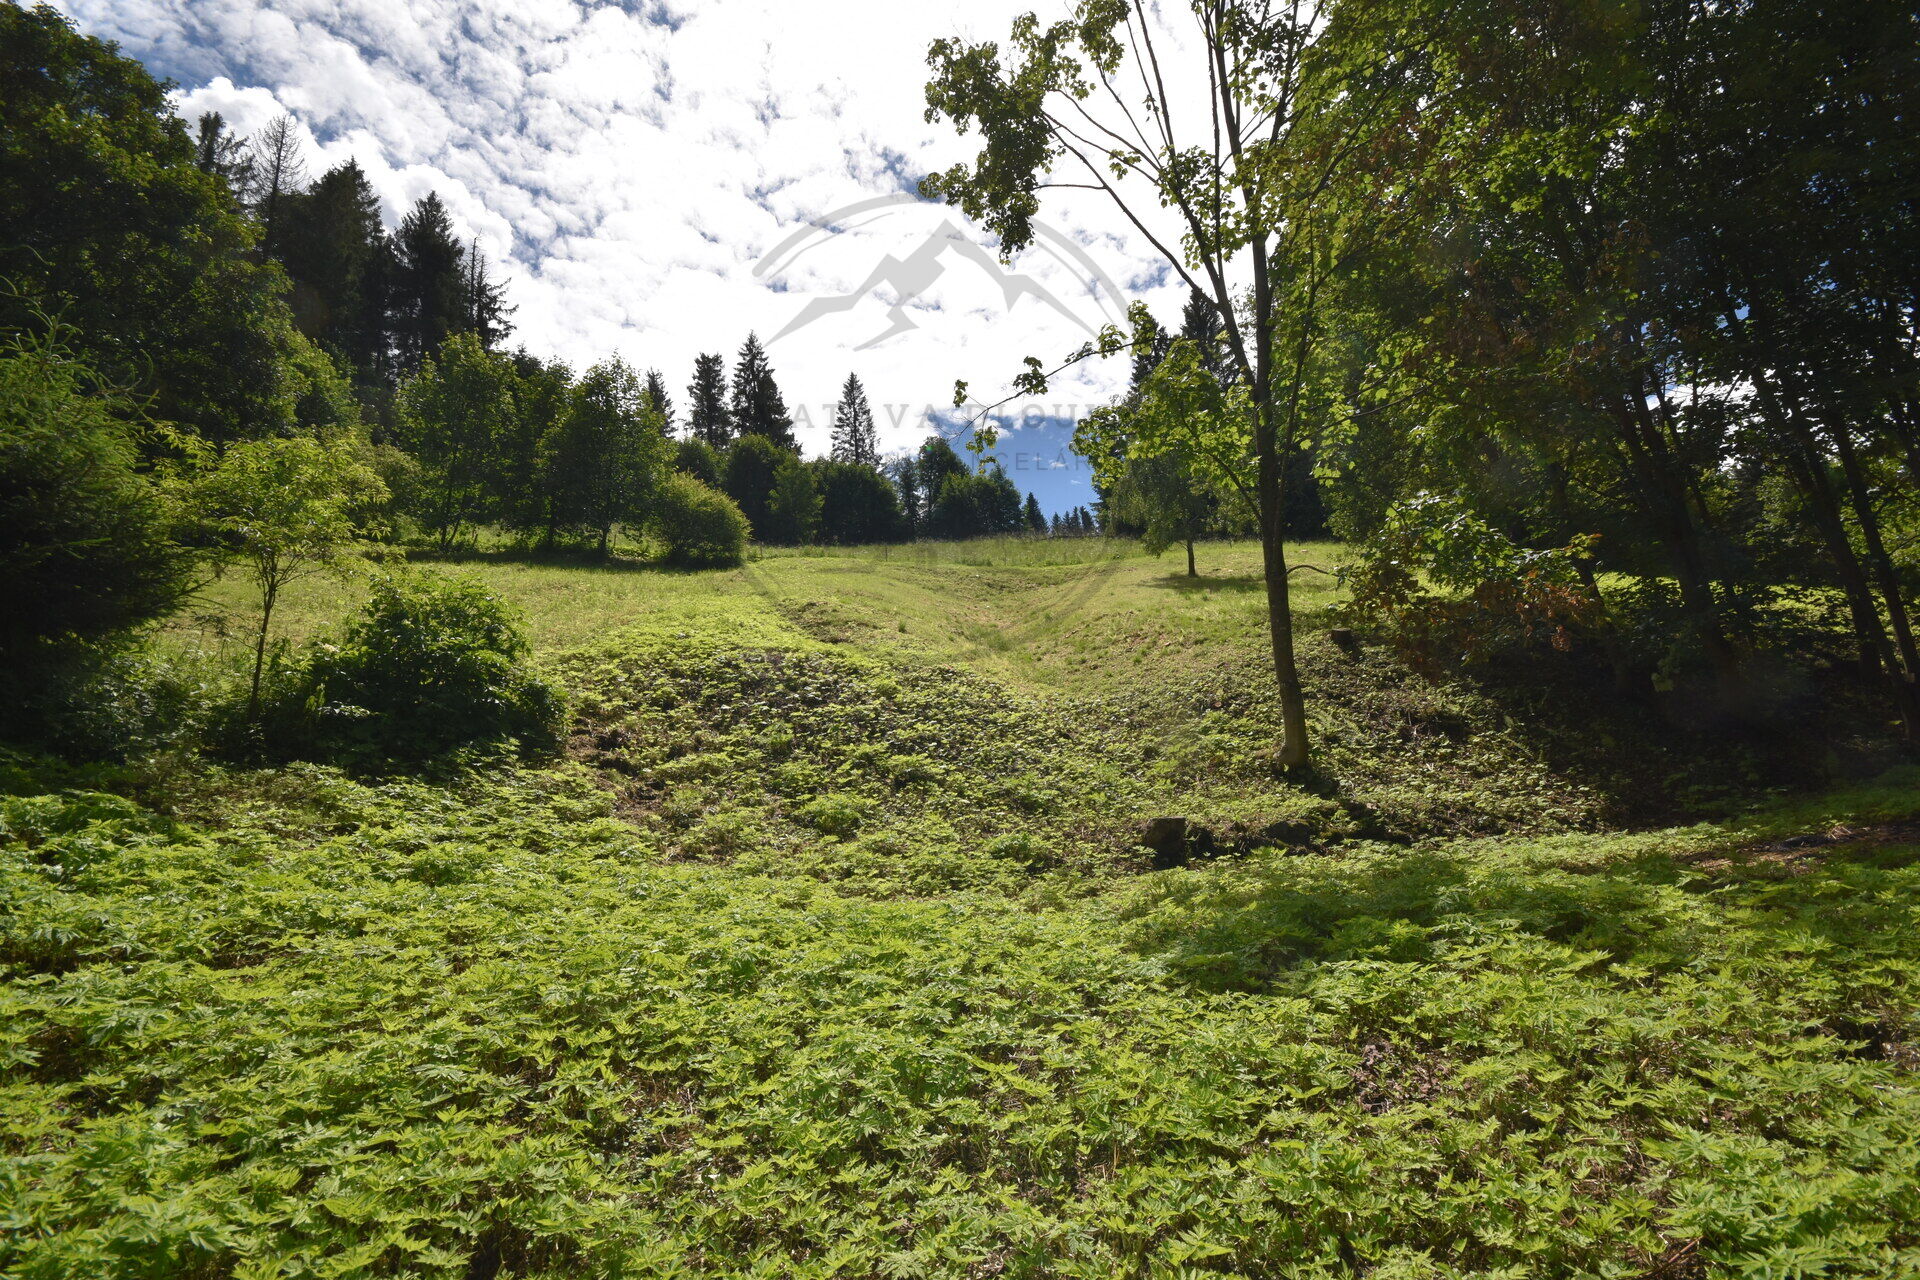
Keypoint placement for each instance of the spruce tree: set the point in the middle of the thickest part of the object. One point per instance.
(1036, 522)
(707, 417)
(484, 301)
(430, 283)
(662, 402)
(218, 151)
(757, 406)
(853, 433)
(336, 251)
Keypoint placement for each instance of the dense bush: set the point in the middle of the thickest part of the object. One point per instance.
(432, 664)
(700, 527)
(86, 546)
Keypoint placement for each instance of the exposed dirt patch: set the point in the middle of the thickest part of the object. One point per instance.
(1804, 852)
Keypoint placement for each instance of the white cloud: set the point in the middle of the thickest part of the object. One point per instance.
(626, 165)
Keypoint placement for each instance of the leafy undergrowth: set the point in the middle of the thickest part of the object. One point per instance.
(493, 1030)
(890, 775)
(827, 951)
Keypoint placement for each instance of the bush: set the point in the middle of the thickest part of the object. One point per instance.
(433, 664)
(701, 528)
(86, 546)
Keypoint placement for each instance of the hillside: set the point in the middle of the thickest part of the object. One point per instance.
(830, 949)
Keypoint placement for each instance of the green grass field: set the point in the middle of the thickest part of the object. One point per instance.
(828, 950)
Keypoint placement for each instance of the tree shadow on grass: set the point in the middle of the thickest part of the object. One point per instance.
(1237, 584)
(558, 558)
(1272, 922)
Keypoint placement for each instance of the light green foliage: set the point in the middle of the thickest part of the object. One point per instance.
(700, 527)
(284, 510)
(455, 418)
(428, 1026)
(1182, 413)
(1497, 596)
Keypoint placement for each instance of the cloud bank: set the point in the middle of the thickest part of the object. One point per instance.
(627, 165)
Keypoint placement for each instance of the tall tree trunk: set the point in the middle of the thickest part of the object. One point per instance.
(1807, 470)
(1663, 495)
(1286, 670)
(1904, 674)
(1191, 571)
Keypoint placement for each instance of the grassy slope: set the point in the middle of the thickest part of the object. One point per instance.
(826, 954)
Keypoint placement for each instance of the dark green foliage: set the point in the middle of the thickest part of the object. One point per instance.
(853, 433)
(433, 664)
(933, 466)
(793, 508)
(660, 399)
(752, 465)
(87, 550)
(429, 282)
(707, 417)
(756, 407)
(695, 457)
(1035, 519)
(700, 526)
(107, 221)
(524, 488)
(337, 253)
(857, 505)
(608, 454)
(975, 505)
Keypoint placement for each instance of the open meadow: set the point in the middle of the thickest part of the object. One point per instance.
(829, 948)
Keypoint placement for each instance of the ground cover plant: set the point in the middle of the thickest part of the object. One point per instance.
(829, 949)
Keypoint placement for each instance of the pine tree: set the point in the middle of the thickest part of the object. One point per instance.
(484, 301)
(1150, 348)
(657, 397)
(430, 283)
(853, 433)
(338, 255)
(707, 417)
(1036, 522)
(279, 172)
(218, 151)
(1200, 324)
(757, 406)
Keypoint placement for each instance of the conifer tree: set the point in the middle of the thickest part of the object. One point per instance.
(853, 432)
(430, 283)
(217, 150)
(659, 399)
(484, 300)
(707, 417)
(757, 407)
(1036, 522)
(337, 253)
(279, 172)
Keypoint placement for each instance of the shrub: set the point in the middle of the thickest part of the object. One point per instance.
(433, 664)
(1497, 596)
(701, 528)
(86, 546)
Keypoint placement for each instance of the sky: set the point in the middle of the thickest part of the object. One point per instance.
(653, 181)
